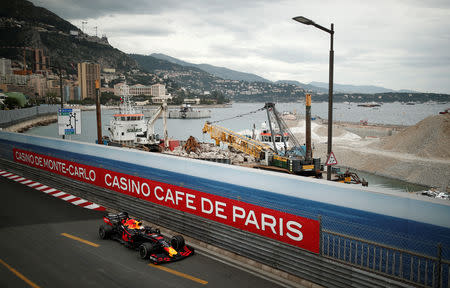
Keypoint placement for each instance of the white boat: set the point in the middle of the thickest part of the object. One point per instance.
(187, 112)
(129, 128)
(127, 124)
(264, 136)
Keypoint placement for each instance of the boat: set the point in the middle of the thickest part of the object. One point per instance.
(264, 136)
(129, 128)
(187, 112)
(369, 105)
(288, 115)
(127, 124)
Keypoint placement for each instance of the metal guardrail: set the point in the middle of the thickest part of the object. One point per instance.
(415, 268)
(11, 117)
(323, 270)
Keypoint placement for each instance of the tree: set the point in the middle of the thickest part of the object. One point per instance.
(219, 97)
(108, 97)
(11, 103)
(50, 97)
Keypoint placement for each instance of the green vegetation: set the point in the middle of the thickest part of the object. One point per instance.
(11, 103)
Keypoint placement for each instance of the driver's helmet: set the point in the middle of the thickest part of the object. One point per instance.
(139, 225)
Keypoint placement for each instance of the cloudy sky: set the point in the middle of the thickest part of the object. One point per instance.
(397, 44)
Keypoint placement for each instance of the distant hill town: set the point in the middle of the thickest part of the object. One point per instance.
(29, 34)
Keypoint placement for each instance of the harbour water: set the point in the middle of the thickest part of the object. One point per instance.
(390, 113)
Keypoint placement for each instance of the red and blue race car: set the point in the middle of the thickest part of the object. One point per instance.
(148, 241)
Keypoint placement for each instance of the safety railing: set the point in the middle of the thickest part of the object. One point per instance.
(408, 266)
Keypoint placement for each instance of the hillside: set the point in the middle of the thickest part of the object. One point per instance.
(189, 77)
(25, 11)
(307, 87)
(364, 89)
(220, 72)
(24, 25)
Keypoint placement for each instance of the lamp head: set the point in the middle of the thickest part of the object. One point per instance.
(303, 20)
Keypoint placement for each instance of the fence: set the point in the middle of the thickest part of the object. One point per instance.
(351, 253)
(11, 117)
(410, 267)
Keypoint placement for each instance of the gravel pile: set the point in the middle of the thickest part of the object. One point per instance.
(208, 151)
(418, 154)
(428, 138)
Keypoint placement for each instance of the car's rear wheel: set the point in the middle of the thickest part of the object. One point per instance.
(104, 231)
(145, 250)
(177, 242)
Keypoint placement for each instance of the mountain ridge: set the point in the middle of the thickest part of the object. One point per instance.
(221, 72)
(366, 89)
(319, 87)
(22, 24)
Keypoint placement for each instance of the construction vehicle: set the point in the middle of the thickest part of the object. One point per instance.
(349, 177)
(296, 159)
(258, 150)
(292, 159)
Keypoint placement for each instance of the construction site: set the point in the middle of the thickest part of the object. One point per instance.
(417, 154)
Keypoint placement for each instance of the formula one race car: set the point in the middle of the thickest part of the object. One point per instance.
(148, 241)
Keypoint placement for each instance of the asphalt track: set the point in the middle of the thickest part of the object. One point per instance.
(47, 242)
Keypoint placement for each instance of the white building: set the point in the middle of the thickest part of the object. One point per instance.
(195, 101)
(158, 90)
(134, 90)
(5, 66)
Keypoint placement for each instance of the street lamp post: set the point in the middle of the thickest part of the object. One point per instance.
(61, 90)
(307, 21)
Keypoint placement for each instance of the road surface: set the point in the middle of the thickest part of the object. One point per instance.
(47, 242)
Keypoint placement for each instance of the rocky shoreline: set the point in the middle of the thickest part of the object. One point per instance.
(28, 124)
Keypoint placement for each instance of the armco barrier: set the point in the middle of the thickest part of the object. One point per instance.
(272, 192)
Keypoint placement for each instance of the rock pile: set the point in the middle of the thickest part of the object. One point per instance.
(191, 145)
(208, 151)
(428, 138)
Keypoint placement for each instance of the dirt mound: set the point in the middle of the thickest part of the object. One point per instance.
(428, 138)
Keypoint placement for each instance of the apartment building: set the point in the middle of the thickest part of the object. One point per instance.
(88, 73)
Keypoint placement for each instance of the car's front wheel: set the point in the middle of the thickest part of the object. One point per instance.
(104, 231)
(145, 250)
(177, 242)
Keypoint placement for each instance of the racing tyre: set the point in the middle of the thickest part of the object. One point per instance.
(104, 231)
(177, 242)
(145, 250)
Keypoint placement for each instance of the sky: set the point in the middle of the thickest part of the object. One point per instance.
(396, 44)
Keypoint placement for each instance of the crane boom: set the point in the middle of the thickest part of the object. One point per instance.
(237, 141)
(296, 148)
(151, 139)
(151, 121)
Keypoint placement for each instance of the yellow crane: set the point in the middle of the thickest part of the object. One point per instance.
(237, 141)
